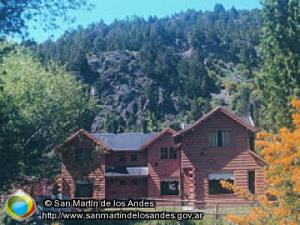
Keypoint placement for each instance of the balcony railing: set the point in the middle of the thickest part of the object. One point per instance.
(127, 171)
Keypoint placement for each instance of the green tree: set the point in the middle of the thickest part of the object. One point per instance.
(241, 100)
(80, 67)
(15, 14)
(280, 74)
(199, 106)
(152, 125)
(39, 108)
(175, 60)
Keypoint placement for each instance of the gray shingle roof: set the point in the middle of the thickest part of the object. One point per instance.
(124, 141)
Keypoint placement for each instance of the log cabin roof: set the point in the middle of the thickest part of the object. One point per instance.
(158, 136)
(135, 141)
(226, 112)
(124, 141)
(86, 134)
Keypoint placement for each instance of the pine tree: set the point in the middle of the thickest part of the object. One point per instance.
(280, 75)
(152, 122)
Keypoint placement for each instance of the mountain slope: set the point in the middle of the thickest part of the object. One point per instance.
(148, 72)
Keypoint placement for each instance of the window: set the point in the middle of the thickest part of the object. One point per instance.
(122, 182)
(122, 158)
(168, 153)
(163, 153)
(252, 142)
(172, 153)
(134, 182)
(82, 155)
(134, 157)
(84, 189)
(219, 138)
(214, 185)
(169, 188)
(251, 181)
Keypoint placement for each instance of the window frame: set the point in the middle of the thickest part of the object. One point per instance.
(213, 192)
(172, 152)
(122, 158)
(82, 154)
(134, 182)
(84, 182)
(177, 191)
(122, 182)
(220, 138)
(134, 157)
(251, 140)
(213, 138)
(168, 153)
(252, 191)
(164, 153)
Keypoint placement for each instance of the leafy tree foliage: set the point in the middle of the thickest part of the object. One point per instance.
(152, 122)
(282, 152)
(177, 54)
(38, 108)
(15, 14)
(241, 100)
(280, 75)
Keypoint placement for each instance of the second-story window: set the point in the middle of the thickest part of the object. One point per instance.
(252, 141)
(122, 158)
(172, 153)
(122, 182)
(82, 155)
(168, 153)
(163, 153)
(219, 139)
(134, 182)
(134, 157)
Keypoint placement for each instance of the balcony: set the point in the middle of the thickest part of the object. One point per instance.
(127, 171)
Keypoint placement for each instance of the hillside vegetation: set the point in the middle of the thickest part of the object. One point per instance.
(157, 72)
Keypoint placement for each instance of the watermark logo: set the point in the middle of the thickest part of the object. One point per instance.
(20, 206)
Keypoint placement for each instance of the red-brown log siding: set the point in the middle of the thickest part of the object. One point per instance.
(162, 169)
(198, 160)
(194, 162)
(128, 190)
(72, 171)
(112, 159)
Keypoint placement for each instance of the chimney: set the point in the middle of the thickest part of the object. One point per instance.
(184, 125)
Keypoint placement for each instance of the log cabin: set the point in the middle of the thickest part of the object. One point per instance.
(177, 168)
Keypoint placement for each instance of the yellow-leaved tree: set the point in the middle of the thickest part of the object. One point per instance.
(282, 152)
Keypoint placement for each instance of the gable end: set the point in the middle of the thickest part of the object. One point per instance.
(223, 110)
